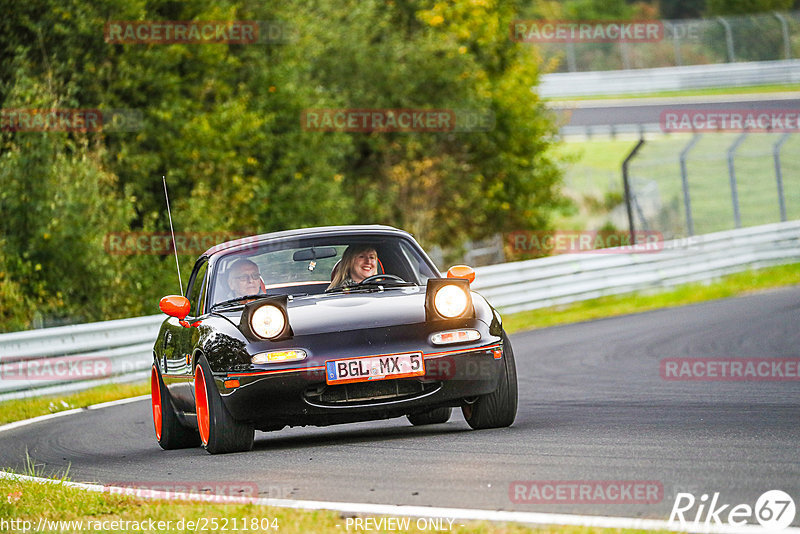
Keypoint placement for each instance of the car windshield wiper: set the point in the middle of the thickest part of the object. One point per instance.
(369, 287)
(387, 283)
(233, 302)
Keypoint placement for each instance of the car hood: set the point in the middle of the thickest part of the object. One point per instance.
(337, 312)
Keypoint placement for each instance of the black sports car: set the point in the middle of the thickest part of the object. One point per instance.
(322, 326)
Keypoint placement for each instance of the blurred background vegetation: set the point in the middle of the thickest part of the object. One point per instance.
(222, 123)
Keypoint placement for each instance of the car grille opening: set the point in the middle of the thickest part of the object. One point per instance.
(369, 392)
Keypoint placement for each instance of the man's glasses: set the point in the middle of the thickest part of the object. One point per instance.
(248, 278)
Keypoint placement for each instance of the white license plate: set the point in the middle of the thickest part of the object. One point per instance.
(374, 368)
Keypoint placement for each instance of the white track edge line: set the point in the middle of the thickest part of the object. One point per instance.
(47, 417)
(538, 518)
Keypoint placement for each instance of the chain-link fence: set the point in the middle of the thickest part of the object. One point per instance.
(764, 37)
(690, 185)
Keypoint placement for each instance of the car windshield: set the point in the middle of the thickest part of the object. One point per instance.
(316, 265)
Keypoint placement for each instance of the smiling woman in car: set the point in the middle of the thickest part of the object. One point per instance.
(358, 262)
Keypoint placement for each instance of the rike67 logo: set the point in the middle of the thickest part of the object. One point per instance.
(774, 510)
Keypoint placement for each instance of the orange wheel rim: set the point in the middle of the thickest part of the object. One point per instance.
(155, 399)
(201, 400)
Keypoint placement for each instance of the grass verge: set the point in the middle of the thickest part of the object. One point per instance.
(746, 90)
(728, 286)
(28, 506)
(18, 409)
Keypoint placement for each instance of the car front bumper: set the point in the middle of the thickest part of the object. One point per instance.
(271, 399)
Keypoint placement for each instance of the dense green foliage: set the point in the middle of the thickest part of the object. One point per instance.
(222, 122)
(746, 7)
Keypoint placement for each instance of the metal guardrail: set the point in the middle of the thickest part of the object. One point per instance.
(567, 278)
(69, 358)
(123, 347)
(613, 82)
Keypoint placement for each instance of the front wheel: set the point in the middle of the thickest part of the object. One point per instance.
(219, 431)
(498, 408)
(170, 433)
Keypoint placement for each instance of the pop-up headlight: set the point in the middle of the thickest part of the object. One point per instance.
(266, 319)
(448, 298)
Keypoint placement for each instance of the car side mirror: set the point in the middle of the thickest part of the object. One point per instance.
(461, 271)
(175, 306)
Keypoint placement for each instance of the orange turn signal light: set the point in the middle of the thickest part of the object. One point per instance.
(461, 271)
(233, 383)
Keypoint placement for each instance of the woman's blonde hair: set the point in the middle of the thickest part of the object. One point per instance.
(345, 265)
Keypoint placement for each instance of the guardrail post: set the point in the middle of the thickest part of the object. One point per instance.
(685, 183)
(776, 156)
(676, 41)
(737, 218)
(787, 46)
(728, 39)
(572, 64)
(624, 53)
(626, 185)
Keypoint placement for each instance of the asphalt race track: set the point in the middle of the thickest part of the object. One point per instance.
(593, 407)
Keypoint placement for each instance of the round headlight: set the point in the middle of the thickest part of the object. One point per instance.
(267, 321)
(450, 301)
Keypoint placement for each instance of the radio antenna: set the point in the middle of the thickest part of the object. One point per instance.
(172, 233)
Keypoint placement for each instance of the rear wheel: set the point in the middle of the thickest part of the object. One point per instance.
(219, 431)
(433, 417)
(170, 433)
(498, 408)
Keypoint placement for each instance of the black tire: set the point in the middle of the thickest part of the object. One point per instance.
(170, 433)
(219, 431)
(498, 408)
(433, 417)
